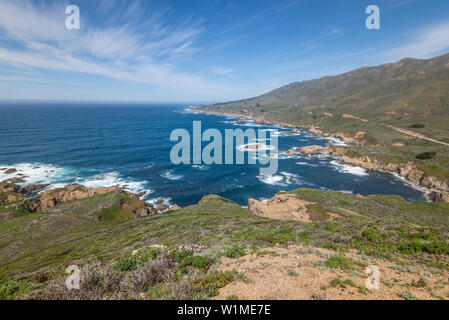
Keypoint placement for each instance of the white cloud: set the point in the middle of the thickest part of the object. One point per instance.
(221, 71)
(428, 42)
(129, 51)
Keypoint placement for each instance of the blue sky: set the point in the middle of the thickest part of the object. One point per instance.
(202, 50)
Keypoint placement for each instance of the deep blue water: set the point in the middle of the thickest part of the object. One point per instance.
(99, 145)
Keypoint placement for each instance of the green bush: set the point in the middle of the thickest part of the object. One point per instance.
(160, 291)
(126, 264)
(418, 126)
(11, 289)
(341, 262)
(214, 281)
(179, 255)
(235, 252)
(372, 235)
(195, 261)
(148, 254)
(407, 295)
(426, 155)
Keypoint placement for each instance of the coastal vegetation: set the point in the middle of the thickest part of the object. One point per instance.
(181, 254)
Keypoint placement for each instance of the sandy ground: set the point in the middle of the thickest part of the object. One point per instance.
(295, 274)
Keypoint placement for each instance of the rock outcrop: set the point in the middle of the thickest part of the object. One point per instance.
(51, 198)
(438, 190)
(175, 207)
(311, 150)
(10, 197)
(9, 186)
(287, 206)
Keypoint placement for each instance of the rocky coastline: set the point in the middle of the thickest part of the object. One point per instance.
(25, 198)
(436, 190)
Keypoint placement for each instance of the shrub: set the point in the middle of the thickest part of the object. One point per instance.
(407, 295)
(159, 292)
(426, 155)
(341, 262)
(418, 126)
(235, 252)
(125, 264)
(95, 284)
(12, 289)
(336, 282)
(195, 261)
(293, 273)
(421, 283)
(150, 274)
(372, 235)
(148, 254)
(179, 255)
(214, 281)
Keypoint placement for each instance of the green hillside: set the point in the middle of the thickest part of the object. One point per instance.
(410, 94)
(37, 247)
(400, 93)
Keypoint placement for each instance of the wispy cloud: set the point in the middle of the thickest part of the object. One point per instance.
(37, 37)
(37, 80)
(426, 43)
(221, 71)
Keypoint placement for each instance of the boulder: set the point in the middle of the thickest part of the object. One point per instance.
(16, 180)
(315, 131)
(439, 196)
(162, 207)
(12, 170)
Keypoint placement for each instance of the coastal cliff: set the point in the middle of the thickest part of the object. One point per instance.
(437, 189)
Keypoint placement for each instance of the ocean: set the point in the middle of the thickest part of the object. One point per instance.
(129, 145)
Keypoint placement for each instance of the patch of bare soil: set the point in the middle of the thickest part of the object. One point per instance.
(301, 273)
(350, 116)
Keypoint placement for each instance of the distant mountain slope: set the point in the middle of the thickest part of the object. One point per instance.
(404, 93)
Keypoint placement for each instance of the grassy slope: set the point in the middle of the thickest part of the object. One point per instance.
(401, 94)
(72, 233)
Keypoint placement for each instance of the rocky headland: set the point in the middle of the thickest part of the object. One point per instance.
(25, 198)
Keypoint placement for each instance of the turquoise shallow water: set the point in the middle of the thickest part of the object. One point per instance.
(129, 145)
